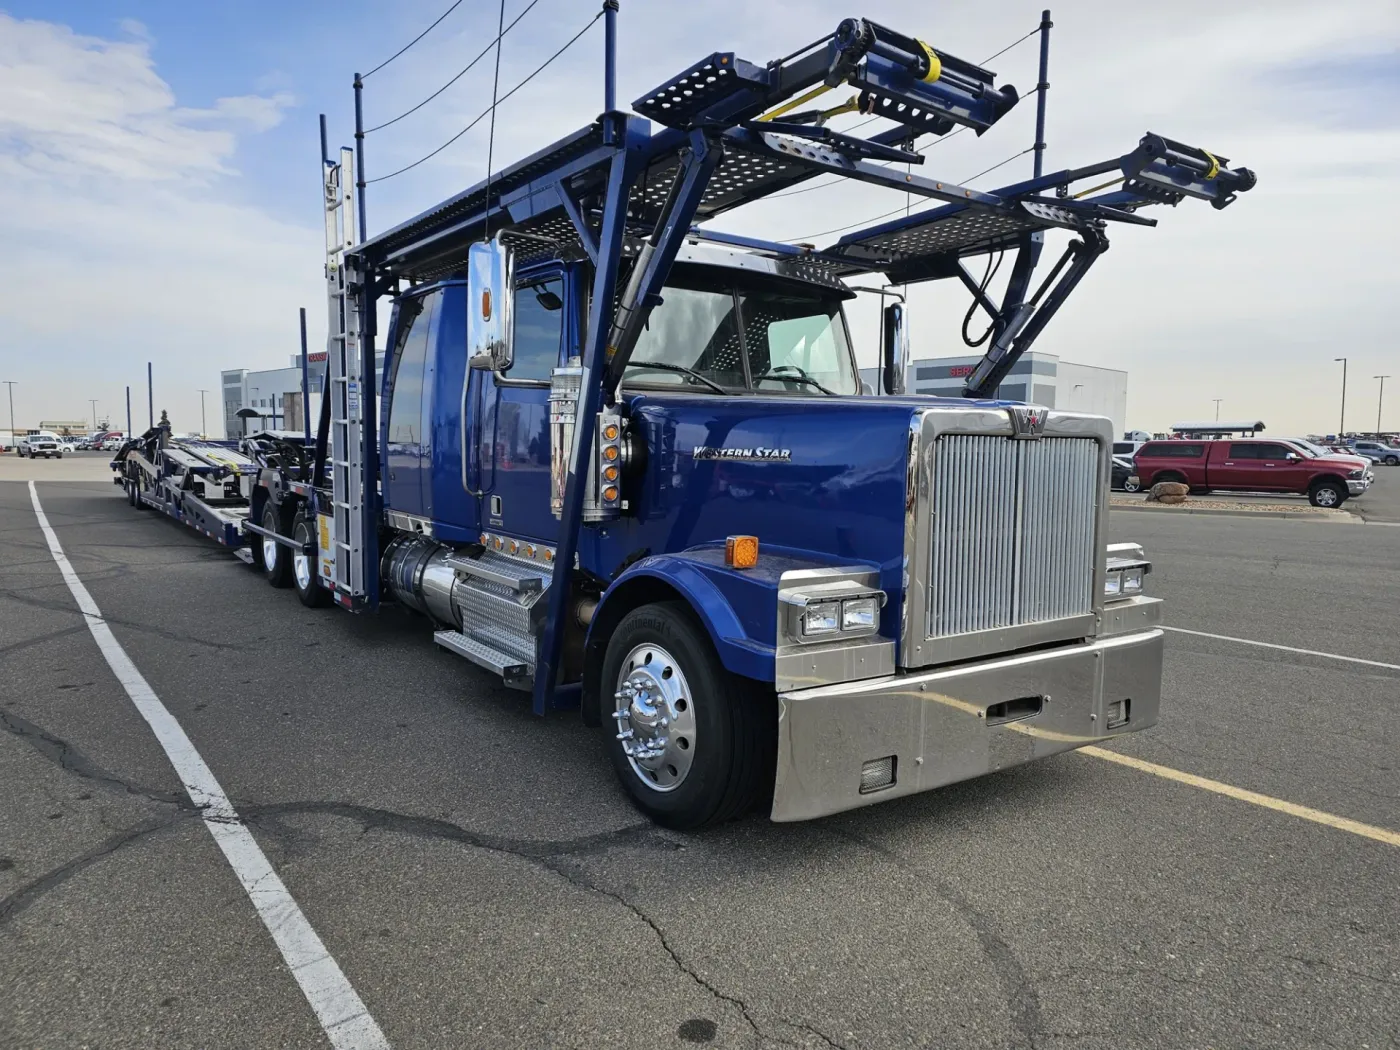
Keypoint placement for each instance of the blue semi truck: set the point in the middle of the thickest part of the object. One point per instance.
(625, 461)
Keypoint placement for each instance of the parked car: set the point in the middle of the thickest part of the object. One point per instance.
(36, 446)
(1378, 452)
(1251, 465)
(1311, 449)
(1124, 476)
(111, 444)
(1127, 448)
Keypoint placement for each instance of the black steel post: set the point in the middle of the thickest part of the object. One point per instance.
(128, 413)
(1041, 89)
(305, 384)
(150, 394)
(359, 158)
(325, 150)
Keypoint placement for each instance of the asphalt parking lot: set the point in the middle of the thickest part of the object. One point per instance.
(482, 882)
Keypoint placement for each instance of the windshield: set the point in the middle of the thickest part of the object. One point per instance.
(710, 335)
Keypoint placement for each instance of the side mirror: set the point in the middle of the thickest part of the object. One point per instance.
(1292, 457)
(490, 306)
(895, 348)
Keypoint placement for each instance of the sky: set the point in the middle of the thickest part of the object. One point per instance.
(159, 182)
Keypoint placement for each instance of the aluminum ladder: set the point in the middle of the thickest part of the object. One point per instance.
(343, 372)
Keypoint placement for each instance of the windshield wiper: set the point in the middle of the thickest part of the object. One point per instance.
(664, 366)
(801, 376)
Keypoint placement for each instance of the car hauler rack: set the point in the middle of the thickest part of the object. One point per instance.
(713, 545)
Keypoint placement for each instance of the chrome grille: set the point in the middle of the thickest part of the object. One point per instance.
(1012, 531)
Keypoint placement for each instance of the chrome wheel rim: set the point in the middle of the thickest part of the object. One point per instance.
(655, 717)
(301, 564)
(1326, 498)
(269, 552)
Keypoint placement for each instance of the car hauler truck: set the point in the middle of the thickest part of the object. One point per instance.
(621, 460)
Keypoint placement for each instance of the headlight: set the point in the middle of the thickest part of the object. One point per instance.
(1126, 571)
(859, 614)
(1357, 474)
(821, 618)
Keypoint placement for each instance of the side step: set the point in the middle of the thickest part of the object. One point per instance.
(513, 672)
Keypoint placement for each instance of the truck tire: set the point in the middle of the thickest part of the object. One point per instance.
(131, 493)
(1392, 461)
(306, 577)
(1328, 494)
(716, 747)
(1169, 475)
(276, 557)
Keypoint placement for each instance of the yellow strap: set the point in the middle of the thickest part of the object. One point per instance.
(935, 67)
(1214, 165)
(849, 106)
(1095, 189)
(788, 106)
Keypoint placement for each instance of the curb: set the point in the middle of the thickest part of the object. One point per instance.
(1333, 517)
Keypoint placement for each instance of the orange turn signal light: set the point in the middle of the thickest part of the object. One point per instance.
(610, 432)
(741, 551)
(610, 452)
(609, 473)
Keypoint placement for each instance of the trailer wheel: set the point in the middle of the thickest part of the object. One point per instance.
(692, 744)
(276, 557)
(131, 493)
(305, 576)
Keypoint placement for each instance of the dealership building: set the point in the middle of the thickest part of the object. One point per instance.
(275, 393)
(1039, 379)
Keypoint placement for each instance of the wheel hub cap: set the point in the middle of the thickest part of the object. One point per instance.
(269, 552)
(655, 717)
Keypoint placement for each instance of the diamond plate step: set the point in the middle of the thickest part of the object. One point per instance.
(513, 672)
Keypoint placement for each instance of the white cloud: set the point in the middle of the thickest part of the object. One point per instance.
(126, 244)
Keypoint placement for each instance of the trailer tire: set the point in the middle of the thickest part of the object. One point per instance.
(276, 557)
(306, 577)
(721, 728)
(131, 493)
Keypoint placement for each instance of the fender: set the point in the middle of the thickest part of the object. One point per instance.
(691, 577)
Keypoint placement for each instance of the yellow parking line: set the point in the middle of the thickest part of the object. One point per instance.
(1317, 816)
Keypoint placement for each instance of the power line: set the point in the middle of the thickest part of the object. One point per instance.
(415, 40)
(490, 109)
(999, 164)
(463, 72)
(1009, 46)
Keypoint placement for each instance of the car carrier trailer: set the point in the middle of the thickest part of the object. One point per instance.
(621, 459)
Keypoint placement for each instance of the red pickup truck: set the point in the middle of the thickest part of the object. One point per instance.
(1250, 465)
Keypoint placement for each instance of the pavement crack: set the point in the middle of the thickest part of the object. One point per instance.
(1023, 1002)
(16, 902)
(71, 760)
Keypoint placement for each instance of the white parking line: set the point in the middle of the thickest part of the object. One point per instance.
(1286, 648)
(338, 1007)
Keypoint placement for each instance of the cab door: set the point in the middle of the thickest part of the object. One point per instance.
(407, 448)
(1281, 473)
(512, 437)
(1237, 469)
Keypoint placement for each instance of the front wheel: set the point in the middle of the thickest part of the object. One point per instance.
(692, 744)
(1327, 494)
(305, 574)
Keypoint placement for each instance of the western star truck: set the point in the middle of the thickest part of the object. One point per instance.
(623, 460)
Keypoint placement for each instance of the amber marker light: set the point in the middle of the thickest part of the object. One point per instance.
(741, 551)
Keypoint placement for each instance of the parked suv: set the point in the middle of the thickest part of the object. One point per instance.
(1251, 465)
(1375, 451)
(36, 446)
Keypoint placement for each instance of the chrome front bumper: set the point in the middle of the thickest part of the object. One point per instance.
(1357, 486)
(935, 723)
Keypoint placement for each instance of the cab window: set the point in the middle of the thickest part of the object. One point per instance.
(539, 329)
(406, 381)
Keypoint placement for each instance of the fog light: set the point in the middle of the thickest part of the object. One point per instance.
(859, 614)
(821, 618)
(877, 775)
(1119, 711)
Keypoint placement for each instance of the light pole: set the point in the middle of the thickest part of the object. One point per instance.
(1342, 426)
(1380, 400)
(203, 431)
(11, 384)
(1217, 401)
(93, 402)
